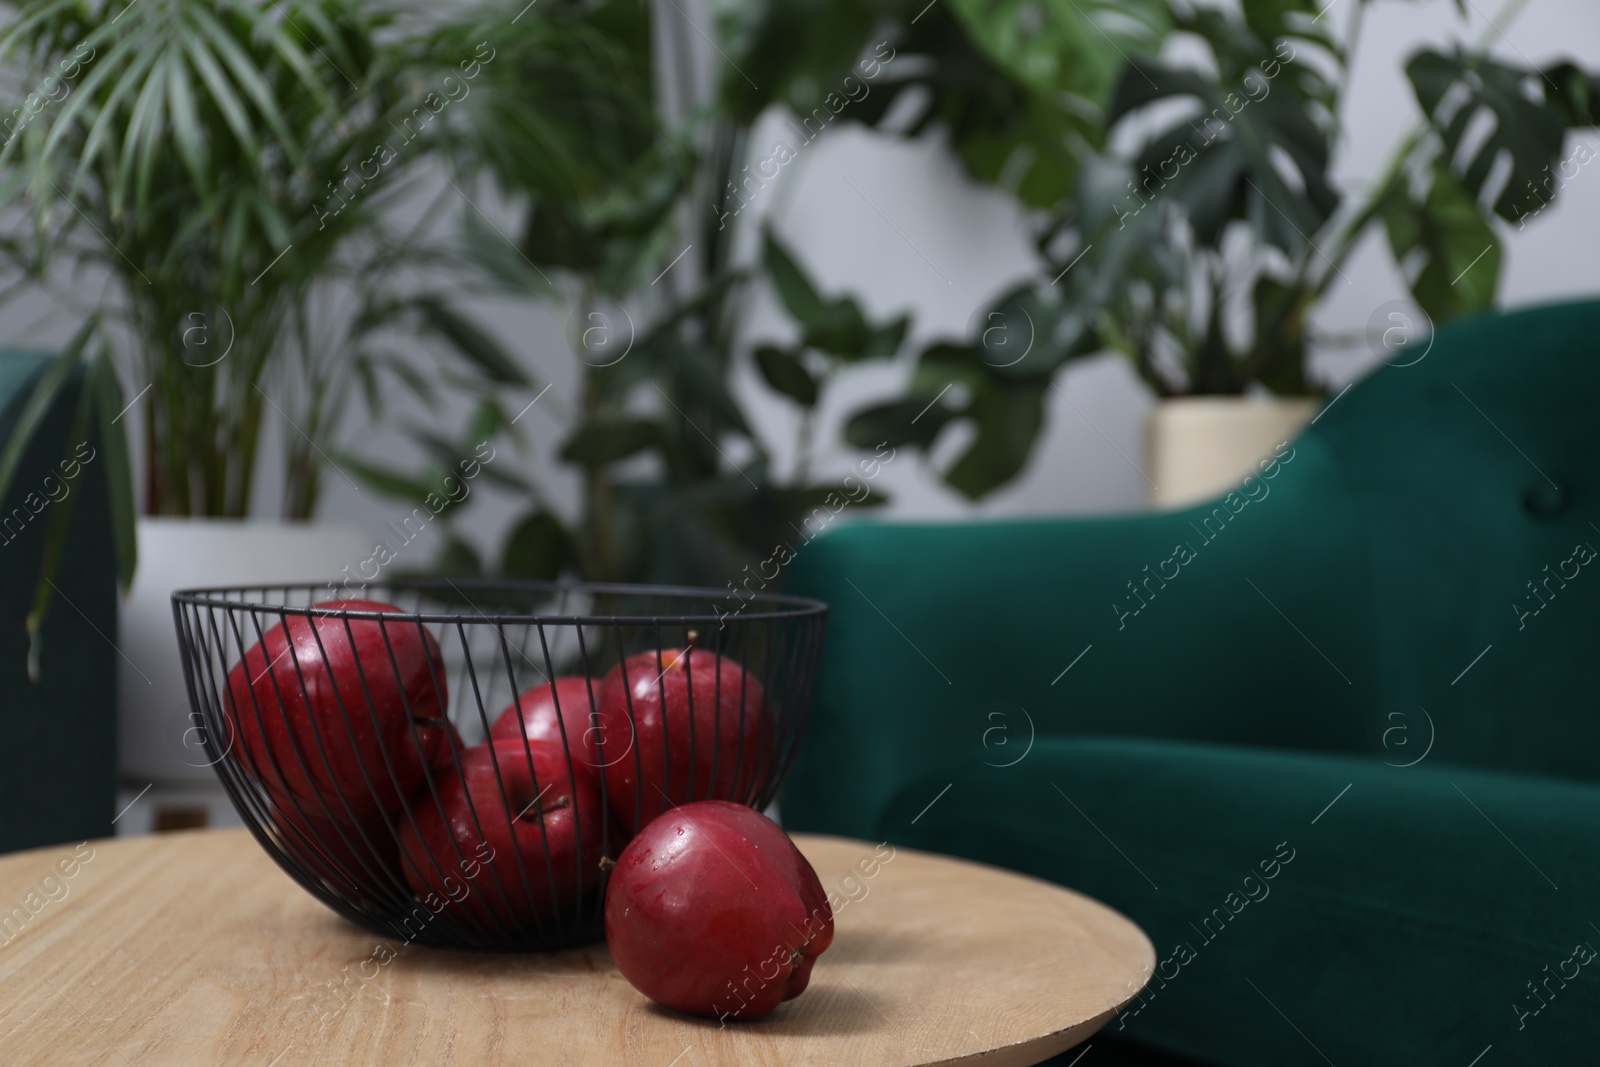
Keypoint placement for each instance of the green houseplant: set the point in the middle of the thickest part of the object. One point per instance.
(1227, 214)
(637, 237)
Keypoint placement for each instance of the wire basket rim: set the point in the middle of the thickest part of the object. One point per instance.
(787, 606)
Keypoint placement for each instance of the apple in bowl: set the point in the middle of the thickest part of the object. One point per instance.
(547, 712)
(511, 840)
(347, 711)
(678, 725)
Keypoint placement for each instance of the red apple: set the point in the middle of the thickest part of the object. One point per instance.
(356, 859)
(685, 725)
(306, 725)
(512, 860)
(548, 709)
(713, 911)
(448, 752)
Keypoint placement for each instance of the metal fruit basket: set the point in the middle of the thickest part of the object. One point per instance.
(457, 763)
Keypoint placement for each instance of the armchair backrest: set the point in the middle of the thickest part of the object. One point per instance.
(1476, 475)
(1339, 600)
(58, 763)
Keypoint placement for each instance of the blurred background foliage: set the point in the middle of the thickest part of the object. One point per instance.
(1173, 161)
(194, 147)
(1199, 246)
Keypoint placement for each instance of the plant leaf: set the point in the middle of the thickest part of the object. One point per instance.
(606, 440)
(794, 288)
(458, 559)
(915, 421)
(784, 373)
(1528, 125)
(471, 341)
(884, 341)
(385, 481)
(539, 548)
(1448, 248)
(1008, 419)
(1221, 166)
(55, 537)
(839, 329)
(1065, 46)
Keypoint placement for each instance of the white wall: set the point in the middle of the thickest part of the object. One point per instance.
(899, 225)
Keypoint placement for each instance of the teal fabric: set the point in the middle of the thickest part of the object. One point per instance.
(1399, 927)
(1409, 582)
(58, 762)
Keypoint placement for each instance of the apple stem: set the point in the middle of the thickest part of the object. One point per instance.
(606, 863)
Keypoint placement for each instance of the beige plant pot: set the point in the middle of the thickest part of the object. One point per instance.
(1199, 447)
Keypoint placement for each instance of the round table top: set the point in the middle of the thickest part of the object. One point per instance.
(195, 948)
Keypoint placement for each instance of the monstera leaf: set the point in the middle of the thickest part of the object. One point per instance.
(1446, 247)
(1017, 85)
(1065, 46)
(1270, 20)
(1028, 151)
(1527, 114)
(1005, 131)
(792, 52)
(1254, 152)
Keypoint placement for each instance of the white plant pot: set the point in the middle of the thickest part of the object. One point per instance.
(157, 741)
(1199, 447)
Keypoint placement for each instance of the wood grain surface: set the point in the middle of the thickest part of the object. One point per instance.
(194, 948)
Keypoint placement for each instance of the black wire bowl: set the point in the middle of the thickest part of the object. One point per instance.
(352, 740)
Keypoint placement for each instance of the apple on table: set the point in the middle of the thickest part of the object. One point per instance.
(711, 910)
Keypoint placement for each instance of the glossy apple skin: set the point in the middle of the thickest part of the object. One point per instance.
(295, 740)
(357, 859)
(684, 696)
(447, 750)
(541, 720)
(712, 911)
(465, 847)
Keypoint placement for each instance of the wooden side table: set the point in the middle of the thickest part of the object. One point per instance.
(195, 948)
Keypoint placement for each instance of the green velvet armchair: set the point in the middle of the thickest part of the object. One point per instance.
(1333, 740)
(58, 759)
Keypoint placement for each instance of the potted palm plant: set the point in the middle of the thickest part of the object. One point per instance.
(206, 159)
